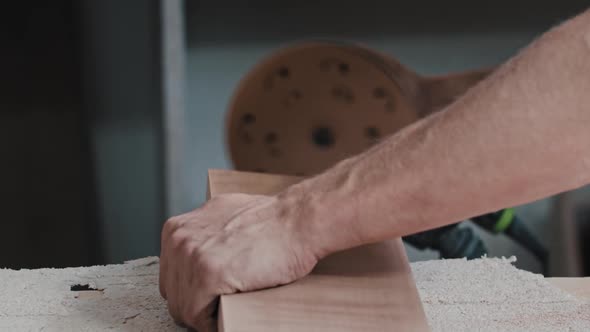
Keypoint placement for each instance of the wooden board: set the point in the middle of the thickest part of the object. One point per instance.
(369, 288)
(579, 287)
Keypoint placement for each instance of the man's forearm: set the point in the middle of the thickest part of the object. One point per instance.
(520, 135)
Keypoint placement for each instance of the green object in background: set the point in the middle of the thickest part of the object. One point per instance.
(505, 220)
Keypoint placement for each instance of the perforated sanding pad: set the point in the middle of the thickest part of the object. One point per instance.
(310, 105)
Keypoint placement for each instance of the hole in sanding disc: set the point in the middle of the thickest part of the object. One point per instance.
(284, 72)
(343, 93)
(343, 68)
(372, 132)
(296, 94)
(248, 118)
(379, 93)
(323, 137)
(271, 137)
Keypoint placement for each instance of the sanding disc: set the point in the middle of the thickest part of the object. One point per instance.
(310, 105)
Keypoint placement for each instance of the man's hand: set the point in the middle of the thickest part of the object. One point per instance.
(234, 243)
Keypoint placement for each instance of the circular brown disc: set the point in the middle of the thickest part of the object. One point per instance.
(310, 105)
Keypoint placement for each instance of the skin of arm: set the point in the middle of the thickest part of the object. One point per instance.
(519, 135)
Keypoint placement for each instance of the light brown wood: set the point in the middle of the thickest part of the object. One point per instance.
(579, 287)
(369, 288)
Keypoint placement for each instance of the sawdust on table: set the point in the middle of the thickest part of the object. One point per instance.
(487, 294)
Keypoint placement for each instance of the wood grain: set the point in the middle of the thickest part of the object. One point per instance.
(369, 288)
(579, 287)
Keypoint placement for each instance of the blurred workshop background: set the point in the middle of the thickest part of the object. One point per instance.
(112, 111)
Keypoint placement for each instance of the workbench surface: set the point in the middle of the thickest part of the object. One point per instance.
(458, 295)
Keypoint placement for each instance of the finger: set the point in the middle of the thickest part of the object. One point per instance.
(180, 269)
(165, 268)
(170, 227)
(167, 231)
(201, 304)
(164, 263)
(172, 290)
(205, 320)
(163, 272)
(185, 284)
(207, 324)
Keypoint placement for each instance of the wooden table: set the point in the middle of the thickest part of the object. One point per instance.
(128, 298)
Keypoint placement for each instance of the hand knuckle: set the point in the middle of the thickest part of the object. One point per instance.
(173, 222)
(170, 226)
(191, 250)
(215, 201)
(210, 267)
(178, 239)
